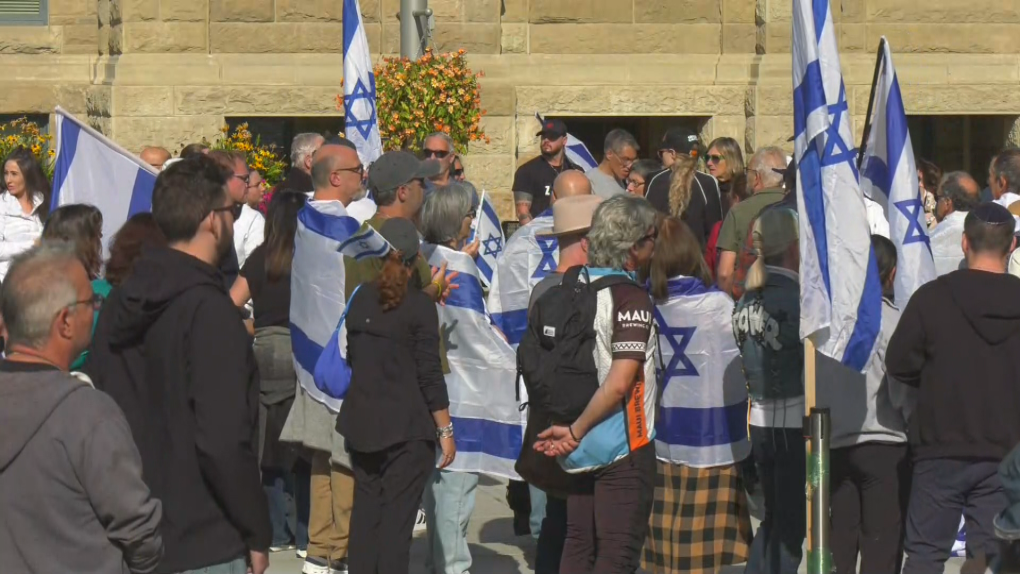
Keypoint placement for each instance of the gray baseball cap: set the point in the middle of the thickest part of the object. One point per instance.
(396, 168)
(402, 235)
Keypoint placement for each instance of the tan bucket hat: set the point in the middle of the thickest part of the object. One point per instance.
(572, 215)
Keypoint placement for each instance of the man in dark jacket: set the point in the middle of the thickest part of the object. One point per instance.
(170, 348)
(958, 342)
(72, 497)
(302, 148)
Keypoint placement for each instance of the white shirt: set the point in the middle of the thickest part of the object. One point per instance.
(362, 210)
(946, 246)
(877, 220)
(249, 233)
(1007, 199)
(18, 232)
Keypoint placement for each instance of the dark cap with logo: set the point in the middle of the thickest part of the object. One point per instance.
(681, 140)
(553, 129)
(402, 235)
(396, 168)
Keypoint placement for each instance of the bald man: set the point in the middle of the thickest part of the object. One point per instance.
(337, 174)
(569, 184)
(155, 156)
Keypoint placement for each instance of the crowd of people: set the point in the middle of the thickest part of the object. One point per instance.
(155, 420)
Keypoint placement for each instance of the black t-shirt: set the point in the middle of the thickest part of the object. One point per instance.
(270, 299)
(536, 178)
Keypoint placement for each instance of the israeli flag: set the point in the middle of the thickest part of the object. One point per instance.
(703, 411)
(482, 384)
(576, 151)
(325, 234)
(490, 234)
(362, 125)
(91, 169)
(841, 295)
(889, 177)
(526, 260)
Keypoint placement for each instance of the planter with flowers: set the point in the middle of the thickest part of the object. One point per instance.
(21, 133)
(265, 159)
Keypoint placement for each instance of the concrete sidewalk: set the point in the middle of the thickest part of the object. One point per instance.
(494, 548)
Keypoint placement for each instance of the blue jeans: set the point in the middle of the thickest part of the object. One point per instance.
(449, 500)
(1007, 523)
(538, 499)
(235, 566)
(288, 495)
(780, 457)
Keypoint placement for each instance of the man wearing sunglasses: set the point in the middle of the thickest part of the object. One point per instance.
(533, 181)
(439, 146)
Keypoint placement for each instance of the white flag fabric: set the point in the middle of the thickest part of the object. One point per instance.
(91, 169)
(490, 235)
(527, 259)
(703, 411)
(482, 383)
(325, 234)
(576, 151)
(841, 294)
(889, 177)
(362, 124)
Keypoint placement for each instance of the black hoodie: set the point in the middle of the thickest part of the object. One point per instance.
(171, 350)
(958, 342)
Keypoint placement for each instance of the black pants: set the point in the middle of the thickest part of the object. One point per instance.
(869, 484)
(607, 523)
(778, 544)
(940, 490)
(388, 486)
(551, 538)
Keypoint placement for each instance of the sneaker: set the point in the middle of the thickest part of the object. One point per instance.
(419, 521)
(315, 566)
(339, 567)
(302, 553)
(282, 548)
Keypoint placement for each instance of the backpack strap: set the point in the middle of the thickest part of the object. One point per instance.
(347, 308)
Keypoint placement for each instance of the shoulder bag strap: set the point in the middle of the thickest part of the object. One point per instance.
(347, 308)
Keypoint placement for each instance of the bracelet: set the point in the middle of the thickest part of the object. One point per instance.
(445, 432)
(570, 429)
(439, 287)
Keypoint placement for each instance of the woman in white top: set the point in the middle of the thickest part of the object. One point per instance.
(24, 205)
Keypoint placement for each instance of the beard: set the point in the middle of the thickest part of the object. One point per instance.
(360, 194)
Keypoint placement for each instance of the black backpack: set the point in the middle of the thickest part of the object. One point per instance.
(556, 357)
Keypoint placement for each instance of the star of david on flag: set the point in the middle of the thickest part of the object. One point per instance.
(490, 235)
(679, 338)
(548, 264)
(362, 125)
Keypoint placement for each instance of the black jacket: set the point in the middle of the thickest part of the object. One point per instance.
(704, 209)
(171, 350)
(296, 180)
(396, 376)
(958, 342)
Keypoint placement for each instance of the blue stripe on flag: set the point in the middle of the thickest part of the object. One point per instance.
(869, 320)
(69, 132)
(141, 193)
(493, 438)
(688, 286)
(685, 426)
(820, 9)
(896, 131)
(808, 97)
(468, 295)
(337, 228)
(306, 351)
(810, 173)
(351, 19)
(484, 269)
(513, 324)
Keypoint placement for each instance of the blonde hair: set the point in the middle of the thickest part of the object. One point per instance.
(729, 149)
(680, 183)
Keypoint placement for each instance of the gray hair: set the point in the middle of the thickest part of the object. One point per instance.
(303, 146)
(618, 139)
(618, 223)
(36, 288)
(445, 137)
(443, 213)
(1007, 165)
(960, 188)
(765, 161)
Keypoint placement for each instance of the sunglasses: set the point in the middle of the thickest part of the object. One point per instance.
(458, 172)
(713, 158)
(436, 153)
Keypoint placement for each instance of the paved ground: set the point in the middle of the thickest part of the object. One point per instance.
(494, 548)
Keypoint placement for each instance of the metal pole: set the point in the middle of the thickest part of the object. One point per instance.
(412, 32)
(819, 555)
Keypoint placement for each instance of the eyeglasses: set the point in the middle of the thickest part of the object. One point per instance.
(436, 153)
(358, 169)
(713, 158)
(458, 172)
(471, 214)
(246, 178)
(633, 183)
(233, 209)
(96, 301)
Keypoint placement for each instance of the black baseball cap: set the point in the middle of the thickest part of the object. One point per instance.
(681, 140)
(402, 236)
(554, 129)
(396, 168)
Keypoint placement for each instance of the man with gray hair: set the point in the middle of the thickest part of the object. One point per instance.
(1004, 179)
(302, 148)
(620, 153)
(439, 146)
(957, 195)
(69, 468)
(765, 186)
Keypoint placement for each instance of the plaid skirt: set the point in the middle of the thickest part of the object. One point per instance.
(700, 520)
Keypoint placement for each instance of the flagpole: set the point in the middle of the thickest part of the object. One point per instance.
(871, 102)
(478, 218)
(816, 431)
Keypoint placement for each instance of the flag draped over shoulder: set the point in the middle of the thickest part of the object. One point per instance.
(889, 177)
(362, 124)
(841, 294)
(526, 260)
(702, 418)
(575, 150)
(490, 235)
(91, 169)
(487, 420)
(325, 234)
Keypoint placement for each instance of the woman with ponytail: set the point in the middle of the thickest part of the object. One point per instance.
(682, 190)
(396, 408)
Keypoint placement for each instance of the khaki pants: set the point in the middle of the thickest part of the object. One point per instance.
(329, 523)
